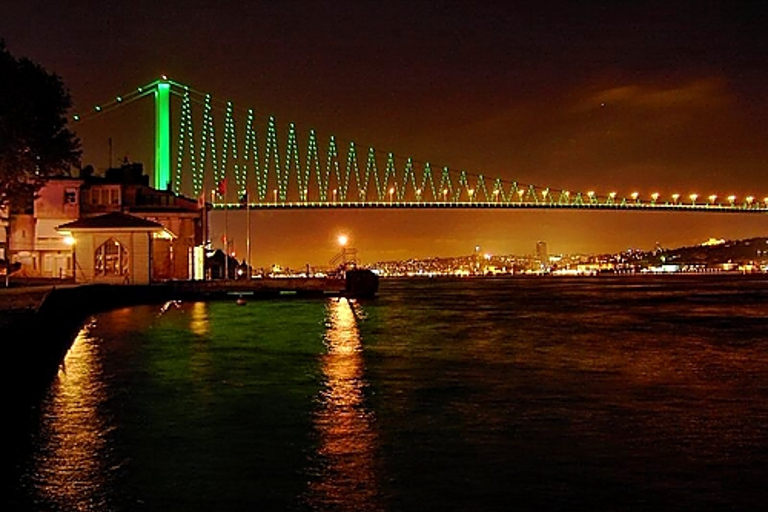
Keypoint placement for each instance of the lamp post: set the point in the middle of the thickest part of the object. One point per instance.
(343, 239)
(71, 242)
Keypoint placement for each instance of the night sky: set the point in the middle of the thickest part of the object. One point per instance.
(662, 97)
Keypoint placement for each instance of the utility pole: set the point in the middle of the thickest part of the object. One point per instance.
(226, 243)
(248, 235)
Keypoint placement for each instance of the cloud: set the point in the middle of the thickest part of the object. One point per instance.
(709, 93)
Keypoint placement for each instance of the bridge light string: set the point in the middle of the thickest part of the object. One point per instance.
(453, 185)
(250, 154)
(343, 184)
(119, 101)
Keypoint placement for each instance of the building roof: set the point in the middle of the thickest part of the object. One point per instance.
(113, 220)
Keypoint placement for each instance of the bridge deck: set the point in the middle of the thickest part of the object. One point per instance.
(678, 207)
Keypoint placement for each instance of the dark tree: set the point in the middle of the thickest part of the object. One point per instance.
(35, 143)
(34, 140)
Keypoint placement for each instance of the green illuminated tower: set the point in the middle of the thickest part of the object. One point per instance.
(163, 135)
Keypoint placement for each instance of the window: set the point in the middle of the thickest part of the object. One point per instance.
(70, 196)
(111, 259)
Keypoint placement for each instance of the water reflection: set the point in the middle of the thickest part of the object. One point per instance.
(346, 476)
(71, 466)
(199, 322)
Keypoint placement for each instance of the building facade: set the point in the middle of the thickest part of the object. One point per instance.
(40, 238)
(114, 248)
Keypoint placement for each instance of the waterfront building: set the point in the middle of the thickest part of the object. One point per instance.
(114, 248)
(126, 189)
(44, 250)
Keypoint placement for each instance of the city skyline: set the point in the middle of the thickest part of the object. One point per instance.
(651, 98)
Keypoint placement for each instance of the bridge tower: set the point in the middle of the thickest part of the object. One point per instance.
(163, 134)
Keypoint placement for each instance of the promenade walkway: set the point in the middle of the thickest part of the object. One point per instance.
(23, 297)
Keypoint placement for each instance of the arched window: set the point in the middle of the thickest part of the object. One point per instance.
(111, 259)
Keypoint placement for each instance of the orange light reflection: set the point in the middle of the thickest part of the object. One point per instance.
(199, 323)
(71, 466)
(346, 472)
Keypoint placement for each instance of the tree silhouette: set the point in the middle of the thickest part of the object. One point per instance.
(34, 140)
(35, 143)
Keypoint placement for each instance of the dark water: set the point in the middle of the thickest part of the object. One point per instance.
(519, 394)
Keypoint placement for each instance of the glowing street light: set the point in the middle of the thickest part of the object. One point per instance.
(731, 199)
(591, 195)
(693, 198)
(334, 195)
(635, 195)
(675, 197)
(274, 195)
(750, 200)
(471, 192)
(654, 197)
(496, 196)
(343, 239)
(418, 194)
(445, 195)
(391, 193)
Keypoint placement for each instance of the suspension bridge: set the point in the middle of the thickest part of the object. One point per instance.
(218, 149)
